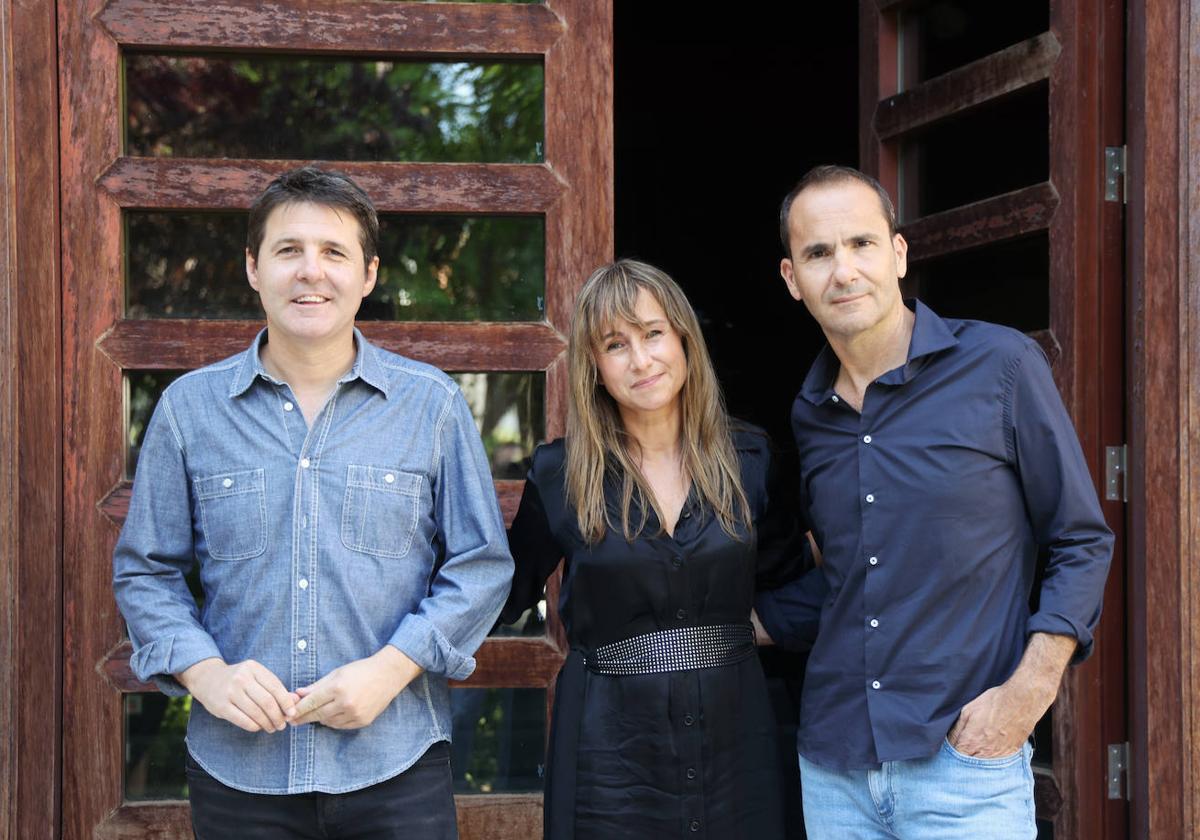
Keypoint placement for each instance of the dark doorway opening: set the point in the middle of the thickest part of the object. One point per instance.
(716, 118)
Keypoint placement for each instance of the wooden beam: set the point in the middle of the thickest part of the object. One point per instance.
(31, 430)
(373, 27)
(480, 817)
(115, 505)
(1010, 70)
(476, 188)
(182, 344)
(501, 662)
(982, 223)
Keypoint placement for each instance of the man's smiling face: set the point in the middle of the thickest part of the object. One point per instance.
(310, 273)
(845, 265)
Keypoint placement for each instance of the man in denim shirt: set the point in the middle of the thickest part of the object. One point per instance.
(340, 506)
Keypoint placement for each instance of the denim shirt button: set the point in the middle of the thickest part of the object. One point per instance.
(389, 478)
(302, 644)
(287, 406)
(303, 584)
(227, 482)
(304, 462)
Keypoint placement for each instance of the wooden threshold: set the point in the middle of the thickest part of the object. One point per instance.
(480, 817)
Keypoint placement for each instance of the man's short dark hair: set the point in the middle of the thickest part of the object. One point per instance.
(820, 176)
(325, 187)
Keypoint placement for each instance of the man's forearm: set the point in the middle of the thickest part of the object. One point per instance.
(1040, 671)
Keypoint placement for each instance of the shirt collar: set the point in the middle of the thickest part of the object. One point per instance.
(930, 335)
(366, 367)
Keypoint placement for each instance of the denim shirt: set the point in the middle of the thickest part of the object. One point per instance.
(316, 546)
(938, 508)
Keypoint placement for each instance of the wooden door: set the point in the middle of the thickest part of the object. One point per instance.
(989, 123)
(482, 131)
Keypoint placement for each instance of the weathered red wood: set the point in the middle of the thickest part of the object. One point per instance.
(1049, 344)
(457, 346)
(1087, 317)
(30, 426)
(376, 27)
(89, 131)
(478, 188)
(877, 78)
(507, 815)
(579, 149)
(1164, 331)
(999, 74)
(1047, 796)
(982, 223)
(516, 662)
(115, 505)
(479, 818)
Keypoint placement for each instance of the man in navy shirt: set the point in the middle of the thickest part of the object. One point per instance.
(937, 464)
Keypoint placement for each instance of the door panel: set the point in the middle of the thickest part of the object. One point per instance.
(495, 205)
(988, 123)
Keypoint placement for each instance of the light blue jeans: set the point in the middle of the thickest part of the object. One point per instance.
(947, 796)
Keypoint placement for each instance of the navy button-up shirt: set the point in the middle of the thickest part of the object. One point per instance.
(931, 509)
(317, 545)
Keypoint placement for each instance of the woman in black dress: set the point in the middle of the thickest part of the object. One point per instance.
(661, 726)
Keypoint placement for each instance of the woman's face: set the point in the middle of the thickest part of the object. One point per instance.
(642, 366)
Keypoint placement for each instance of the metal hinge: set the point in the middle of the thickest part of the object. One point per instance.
(1116, 174)
(1118, 766)
(1116, 488)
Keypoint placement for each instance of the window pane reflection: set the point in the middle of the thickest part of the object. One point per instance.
(432, 268)
(499, 739)
(333, 109)
(155, 726)
(509, 410)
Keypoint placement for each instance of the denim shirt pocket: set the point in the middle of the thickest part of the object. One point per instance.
(380, 510)
(233, 513)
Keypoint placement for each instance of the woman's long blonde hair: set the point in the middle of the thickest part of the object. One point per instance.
(597, 443)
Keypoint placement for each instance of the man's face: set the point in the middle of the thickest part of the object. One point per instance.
(310, 274)
(844, 265)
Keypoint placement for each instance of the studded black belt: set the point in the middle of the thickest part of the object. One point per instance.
(681, 649)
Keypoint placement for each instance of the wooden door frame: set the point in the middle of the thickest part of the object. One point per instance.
(1081, 58)
(1163, 339)
(30, 426)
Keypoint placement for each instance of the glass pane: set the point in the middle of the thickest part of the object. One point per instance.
(499, 739)
(937, 37)
(155, 726)
(499, 736)
(978, 154)
(432, 268)
(509, 409)
(1006, 283)
(333, 108)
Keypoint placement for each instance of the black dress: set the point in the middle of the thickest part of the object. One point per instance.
(685, 754)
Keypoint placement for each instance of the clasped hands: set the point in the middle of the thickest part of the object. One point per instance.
(251, 697)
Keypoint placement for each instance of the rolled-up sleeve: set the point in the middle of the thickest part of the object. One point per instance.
(152, 558)
(475, 570)
(1062, 503)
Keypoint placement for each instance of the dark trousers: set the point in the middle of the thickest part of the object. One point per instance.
(416, 805)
